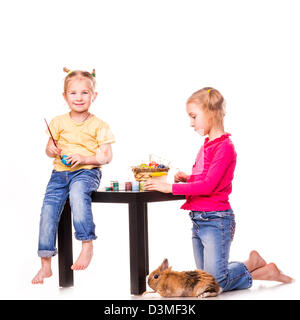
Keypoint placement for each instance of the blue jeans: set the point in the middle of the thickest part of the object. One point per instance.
(213, 233)
(78, 186)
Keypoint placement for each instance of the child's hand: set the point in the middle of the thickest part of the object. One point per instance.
(157, 185)
(51, 150)
(75, 160)
(181, 177)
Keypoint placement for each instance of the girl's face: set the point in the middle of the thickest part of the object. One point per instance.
(79, 95)
(199, 119)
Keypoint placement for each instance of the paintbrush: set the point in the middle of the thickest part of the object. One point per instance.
(52, 136)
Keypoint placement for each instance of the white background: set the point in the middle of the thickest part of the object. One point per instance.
(150, 56)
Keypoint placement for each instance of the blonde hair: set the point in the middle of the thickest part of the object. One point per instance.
(79, 74)
(211, 102)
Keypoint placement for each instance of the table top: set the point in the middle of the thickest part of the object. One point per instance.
(133, 196)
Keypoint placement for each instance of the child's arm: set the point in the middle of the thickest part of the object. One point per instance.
(223, 158)
(103, 156)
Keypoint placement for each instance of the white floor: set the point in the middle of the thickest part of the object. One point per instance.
(107, 277)
(259, 291)
(106, 287)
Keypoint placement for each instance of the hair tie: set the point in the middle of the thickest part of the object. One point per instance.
(67, 70)
(93, 73)
(208, 91)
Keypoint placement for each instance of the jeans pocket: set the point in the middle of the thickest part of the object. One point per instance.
(194, 221)
(94, 175)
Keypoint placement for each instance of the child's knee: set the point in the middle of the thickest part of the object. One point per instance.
(79, 191)
(80, 202)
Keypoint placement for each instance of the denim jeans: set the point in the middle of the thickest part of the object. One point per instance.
(78, 186)
(212, 234)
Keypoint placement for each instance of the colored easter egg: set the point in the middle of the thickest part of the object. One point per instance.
(153, 164)
(65, 161)
(161, 166)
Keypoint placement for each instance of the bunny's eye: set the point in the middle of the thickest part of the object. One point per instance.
(155, 276)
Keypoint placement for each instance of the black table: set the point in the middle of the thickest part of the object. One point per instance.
(138, 234)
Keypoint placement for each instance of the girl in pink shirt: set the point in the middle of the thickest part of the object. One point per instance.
(207, 192)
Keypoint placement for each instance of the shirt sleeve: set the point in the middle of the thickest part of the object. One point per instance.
(105, 135)
(54, 128)
(223, 157)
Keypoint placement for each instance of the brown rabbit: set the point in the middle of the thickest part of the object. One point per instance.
(170, 283)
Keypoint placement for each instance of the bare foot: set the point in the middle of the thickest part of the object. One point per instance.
(85, 256)
(255, 261)
(270, 272)
(44, 272)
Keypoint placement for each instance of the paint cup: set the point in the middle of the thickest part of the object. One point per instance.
(135, 186)
(115, 186)
(121, 186)
(128, 186)
(142, 186)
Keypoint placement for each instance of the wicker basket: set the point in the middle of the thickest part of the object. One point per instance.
(143, 174)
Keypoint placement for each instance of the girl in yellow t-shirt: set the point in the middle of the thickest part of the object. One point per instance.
(86, 140)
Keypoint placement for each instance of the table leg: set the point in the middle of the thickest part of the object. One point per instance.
(65, 251)
(146, 238)
(138, 246)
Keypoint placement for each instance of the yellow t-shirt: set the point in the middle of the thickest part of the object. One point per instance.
(81, 138)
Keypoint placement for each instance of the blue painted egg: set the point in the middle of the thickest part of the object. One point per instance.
(65, 161)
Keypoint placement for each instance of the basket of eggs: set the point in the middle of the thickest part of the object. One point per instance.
(145, 171)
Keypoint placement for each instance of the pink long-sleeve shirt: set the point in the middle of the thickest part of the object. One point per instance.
(210, 184)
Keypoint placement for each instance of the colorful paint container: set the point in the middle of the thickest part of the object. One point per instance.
(115, 186)
(128, 186)
(142, 186)
(121, 186)
(135, 186)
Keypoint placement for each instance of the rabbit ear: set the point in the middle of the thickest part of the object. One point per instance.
(165, 265)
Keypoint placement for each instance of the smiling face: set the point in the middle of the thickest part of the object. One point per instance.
(200, 120)
(79, 94)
